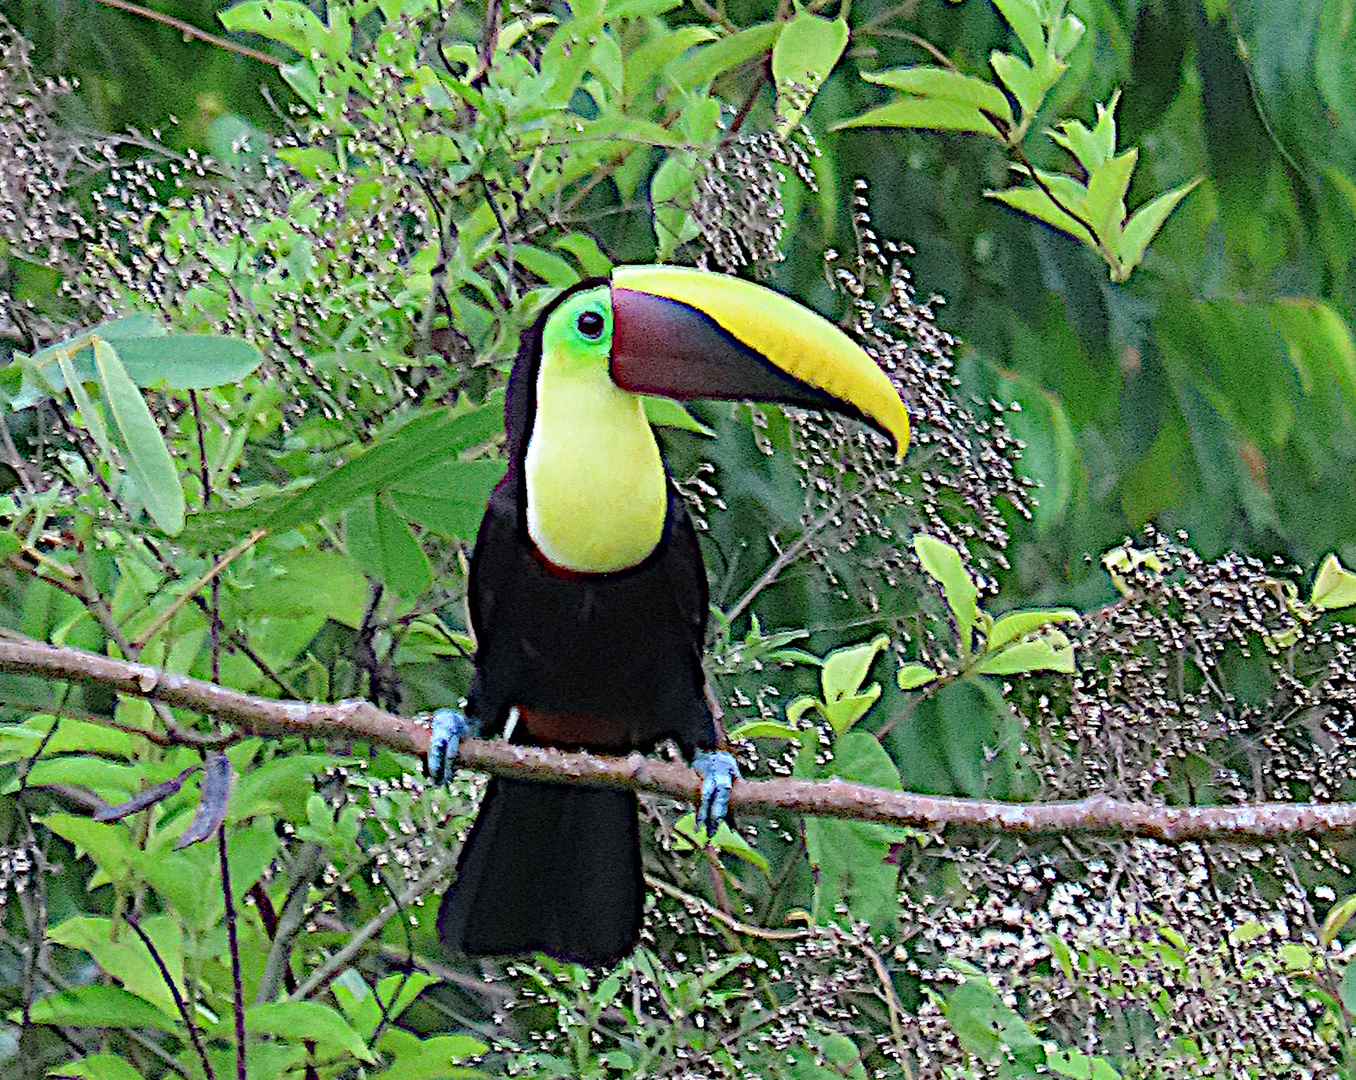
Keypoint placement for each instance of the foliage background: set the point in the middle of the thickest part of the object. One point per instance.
(1212, 393)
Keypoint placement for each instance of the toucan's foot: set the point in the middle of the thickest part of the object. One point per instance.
(450, 726)
(719, 770)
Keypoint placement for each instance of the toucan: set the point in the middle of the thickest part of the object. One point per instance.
(587, 593)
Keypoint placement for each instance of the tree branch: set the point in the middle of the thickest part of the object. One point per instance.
(1096, 814)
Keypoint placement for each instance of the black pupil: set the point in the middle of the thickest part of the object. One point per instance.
(591, 324)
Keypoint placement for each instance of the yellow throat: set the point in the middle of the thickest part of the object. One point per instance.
(596, 487)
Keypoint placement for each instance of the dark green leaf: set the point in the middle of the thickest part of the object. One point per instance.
(449, 498)
(382, 543)
(421, 443)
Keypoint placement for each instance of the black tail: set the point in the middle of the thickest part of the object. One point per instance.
(551, 868)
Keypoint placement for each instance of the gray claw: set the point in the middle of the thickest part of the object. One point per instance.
(450, 726)
(719, 770)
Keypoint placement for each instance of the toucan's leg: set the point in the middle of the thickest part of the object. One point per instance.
(450, 726)
(719, 770)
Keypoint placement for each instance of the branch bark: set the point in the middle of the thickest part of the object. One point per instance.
(1097, 814)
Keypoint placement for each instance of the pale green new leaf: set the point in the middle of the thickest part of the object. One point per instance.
(1017, 624)
(846, 669)
(148, 460)
(943, 564)
(665, 412)
(1145, 222)
(286, 21)
(946, 85)
(729, 52)
(89, 412)
(1025, 19)
(1051, 651)
(1034, 201)
(1107, 185)
(1019, 77)
(765, 729)
(913, 675)
(926, 114)
(807, 50)
(1334, 587)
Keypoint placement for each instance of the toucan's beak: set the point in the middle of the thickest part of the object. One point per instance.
(683, 333)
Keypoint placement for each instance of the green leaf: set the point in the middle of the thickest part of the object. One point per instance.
(1052, 651)
(382, 543)
(550, 267)
(421, 443)
(429, 1059)
(125, 956)
(671, 198)
(90, 414)
(913, 675)
(1021, 80)
(1016, 624)
(1107, 185)
(946, 85)
(849, 857)
(1347, 989)
(100, 1006)
(178, 361)
(587, 253)
(1025, 19)
(96, 1067)
(806, 51)
(450, 498)
(1321, 347)
(1334, 587)
(1145, 222)
(943, 564)
(1338, 916)
(1034, 201)
(307, 1020)
(929, 114)
(286, 21)
(708, 61)
(665, 412)
(148, 460)
(726, 841)
(846, 669)
(766, 729)
(984, 1024)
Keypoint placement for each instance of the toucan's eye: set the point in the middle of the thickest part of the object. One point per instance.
(590, 324)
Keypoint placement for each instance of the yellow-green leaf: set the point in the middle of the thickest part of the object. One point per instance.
(1335, 585)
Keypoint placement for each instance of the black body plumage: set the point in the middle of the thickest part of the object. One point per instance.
(609, 662)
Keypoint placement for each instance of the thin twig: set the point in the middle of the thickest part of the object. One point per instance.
(233, 941)
(188, 594)
(179, 1003)
(191, 31)
(337, 961)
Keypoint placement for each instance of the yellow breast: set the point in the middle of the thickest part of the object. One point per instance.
(596, 488)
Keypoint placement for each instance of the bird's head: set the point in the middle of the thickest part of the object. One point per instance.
(687, 334)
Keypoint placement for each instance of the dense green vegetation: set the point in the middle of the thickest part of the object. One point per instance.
(255, 314)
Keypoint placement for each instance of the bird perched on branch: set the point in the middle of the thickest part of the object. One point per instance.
(588, 594)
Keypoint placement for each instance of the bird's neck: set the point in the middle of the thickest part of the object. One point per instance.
(596, 486)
